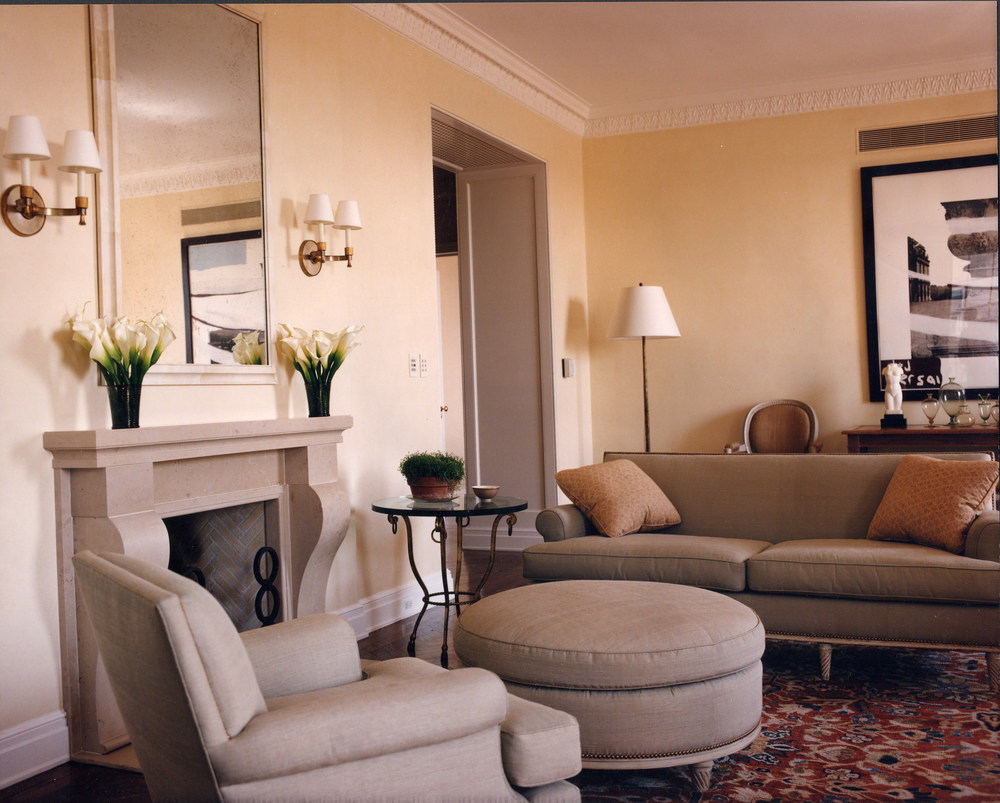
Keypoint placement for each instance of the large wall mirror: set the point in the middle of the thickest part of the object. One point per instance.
(182, 230)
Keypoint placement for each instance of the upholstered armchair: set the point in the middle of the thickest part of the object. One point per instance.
(290, 713)
(781, 426)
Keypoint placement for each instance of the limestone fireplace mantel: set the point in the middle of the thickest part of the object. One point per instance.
(113, 488)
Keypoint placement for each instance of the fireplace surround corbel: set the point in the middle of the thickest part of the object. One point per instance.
(114, 488)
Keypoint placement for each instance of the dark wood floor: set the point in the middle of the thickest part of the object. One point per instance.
(82, 782)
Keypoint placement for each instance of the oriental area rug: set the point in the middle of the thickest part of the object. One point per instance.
(890, 725)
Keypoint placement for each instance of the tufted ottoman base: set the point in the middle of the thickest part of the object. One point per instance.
(656, 674)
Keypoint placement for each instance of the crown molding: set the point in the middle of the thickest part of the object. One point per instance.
(794, 103)
(238, 170)
(444, 33)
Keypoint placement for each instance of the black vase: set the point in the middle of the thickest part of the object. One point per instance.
(124, 401)
(318, 397)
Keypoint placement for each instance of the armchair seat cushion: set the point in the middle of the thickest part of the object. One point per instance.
(703, 561)
(308, 731)
(858, 568)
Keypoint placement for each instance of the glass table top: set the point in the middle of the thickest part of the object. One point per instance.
(463, 504)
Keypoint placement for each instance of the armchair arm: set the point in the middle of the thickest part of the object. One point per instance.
(359, 721)
(563, 521)
(983, 538)
(305, 654)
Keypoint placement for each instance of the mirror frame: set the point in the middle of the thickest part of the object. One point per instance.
(109, 256)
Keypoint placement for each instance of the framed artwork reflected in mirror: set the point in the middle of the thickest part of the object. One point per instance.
(224, 287)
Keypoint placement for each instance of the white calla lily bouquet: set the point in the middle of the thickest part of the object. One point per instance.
(124, 350)
(248, 348)
(317, 356)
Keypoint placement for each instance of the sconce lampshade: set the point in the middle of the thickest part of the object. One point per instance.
(80, 153)
(319, 209)
(642, 311)
(348, 215)
(25, 139)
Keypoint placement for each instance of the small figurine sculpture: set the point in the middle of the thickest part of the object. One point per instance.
(893, 373)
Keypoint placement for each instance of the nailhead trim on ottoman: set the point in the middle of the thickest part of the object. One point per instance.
(656, 674)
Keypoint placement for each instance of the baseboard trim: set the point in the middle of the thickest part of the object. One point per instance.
(477, 535)
(33, 747)
(390, 606)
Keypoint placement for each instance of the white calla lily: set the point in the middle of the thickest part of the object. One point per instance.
(248, 348)
(123, 350)
(316, 355)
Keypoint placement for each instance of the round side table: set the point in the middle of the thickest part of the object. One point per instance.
(461, 509)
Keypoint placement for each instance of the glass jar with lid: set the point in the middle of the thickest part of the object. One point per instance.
(964, 417)
(952, 397)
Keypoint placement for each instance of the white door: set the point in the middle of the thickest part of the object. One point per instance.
(506, 328)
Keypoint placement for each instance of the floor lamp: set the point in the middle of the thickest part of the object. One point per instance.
(643, 312)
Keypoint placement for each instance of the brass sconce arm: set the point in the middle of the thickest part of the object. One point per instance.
(24, 210)
(30, 205)
(312, 256)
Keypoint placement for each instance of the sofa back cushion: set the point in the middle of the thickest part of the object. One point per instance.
(773, 498)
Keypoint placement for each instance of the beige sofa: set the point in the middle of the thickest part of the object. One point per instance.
(787, 535)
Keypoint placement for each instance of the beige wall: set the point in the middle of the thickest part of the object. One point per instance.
(754, 230)
(348, 113)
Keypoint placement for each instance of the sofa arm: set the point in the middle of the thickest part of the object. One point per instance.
(563, 521)
(983, 539)
(302, 655)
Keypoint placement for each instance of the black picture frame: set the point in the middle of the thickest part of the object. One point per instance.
(212, 342)
(911, 216)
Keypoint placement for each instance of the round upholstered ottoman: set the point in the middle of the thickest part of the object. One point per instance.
(656, 674)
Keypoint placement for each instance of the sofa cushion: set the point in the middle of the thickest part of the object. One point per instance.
(850, 567)
(715, 563)
(933, 502)
(618, 497)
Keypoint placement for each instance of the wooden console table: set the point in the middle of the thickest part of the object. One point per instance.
(923, 439)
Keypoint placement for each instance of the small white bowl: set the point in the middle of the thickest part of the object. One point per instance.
(485, 492)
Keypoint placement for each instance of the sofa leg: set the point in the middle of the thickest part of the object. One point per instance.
(993, 670)
(701, 774)
(825, 659)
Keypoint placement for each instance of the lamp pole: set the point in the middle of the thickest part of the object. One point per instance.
(645, 393)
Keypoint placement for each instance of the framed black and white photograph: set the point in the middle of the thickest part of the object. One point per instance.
(224, 293)
(930, 253)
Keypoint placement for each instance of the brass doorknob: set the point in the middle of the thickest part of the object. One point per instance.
(444, 408)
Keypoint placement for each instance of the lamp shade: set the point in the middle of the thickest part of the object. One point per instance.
(80, 153)
(319, 209)
(348, 215)
(642, 311)
(25, 139)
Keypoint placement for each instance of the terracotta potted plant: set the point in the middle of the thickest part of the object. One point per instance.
(432, 476)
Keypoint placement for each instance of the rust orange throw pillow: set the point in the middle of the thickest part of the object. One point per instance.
(618, 497)
(933, 502)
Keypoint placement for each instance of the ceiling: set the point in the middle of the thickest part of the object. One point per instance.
(607, 59)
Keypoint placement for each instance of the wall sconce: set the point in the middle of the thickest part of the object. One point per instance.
(312, 253)
(23, 209)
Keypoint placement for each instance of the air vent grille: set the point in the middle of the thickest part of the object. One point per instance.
(907, 136)
(467, 152)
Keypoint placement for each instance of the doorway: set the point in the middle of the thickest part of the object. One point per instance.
(504, 390)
